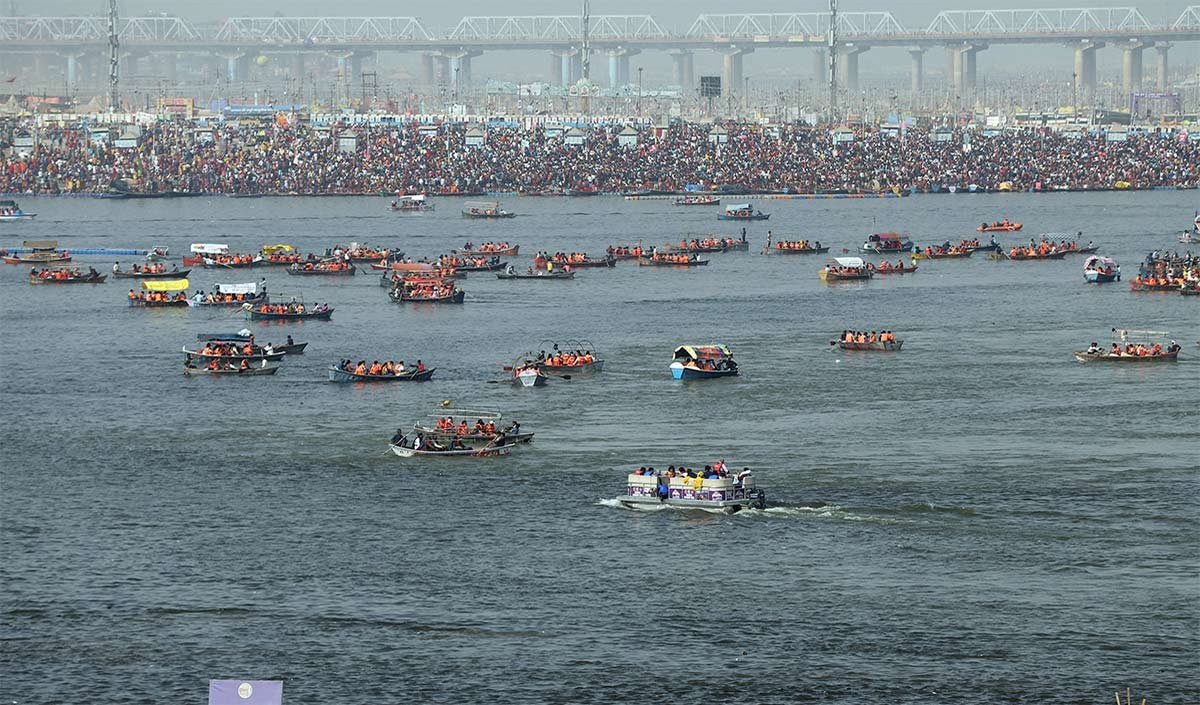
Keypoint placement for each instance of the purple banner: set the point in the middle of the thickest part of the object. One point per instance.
(235, 692)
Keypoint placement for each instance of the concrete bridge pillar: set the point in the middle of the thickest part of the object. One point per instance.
(820, 66)
(683, 68)
(427, 75)
(236, 64)
(963, 66)
(442, 70)
(576, 66)
(849, 62)
(460, 64)
(297, 69)
(917, 69)
(1163, 81)
(1131, 65)
(1085, 66)
(73, 71)
(618, 66)
(732, 74)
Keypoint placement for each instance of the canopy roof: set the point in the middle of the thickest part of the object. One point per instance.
(209, 249)
(248, 288)
(738, 207)
(41, 244)
(272, 249)
(1094, 260)
(880, 237)
(165, 285)
(850, 261)
(415, 198)
(482, 205)
(702, 352)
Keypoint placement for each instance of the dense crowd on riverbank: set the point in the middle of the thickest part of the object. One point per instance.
(387, 159)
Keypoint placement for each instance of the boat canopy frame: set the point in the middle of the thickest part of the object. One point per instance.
(711, 351)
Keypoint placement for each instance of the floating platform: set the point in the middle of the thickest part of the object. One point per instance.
(84, 251)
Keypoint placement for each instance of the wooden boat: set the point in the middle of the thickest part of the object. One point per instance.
(485, 451)
(1084, 356)
(43, 252)
(999, 228)
(554, 363)
(1021, 257)
(742, 211)
(661, 261)
(363, 254)
(698, 201)
(936, 254)
(537, 274)
(200, 250)
(1089, 250)
(508, 434)
(293, 349)
(177, 274)
(590, 262)
(891, 270)
(257, 314)
(407, 295)
(11, 212)
(404, 267)
(725, 494)
(989, 247)
(845, 269)
(88, 278)
(273, 356)
(211, 263)
(249, 372)
(485, 210)
(510, 251)
(170, 303)
(163, 286)
(877, 346)
(777, 250)
(247, 337)
(886, 243)
(702, 362)
(299, 271)
(1139, 284)
(337, 374)
(491, 266)
(528, 376)
(253, 300)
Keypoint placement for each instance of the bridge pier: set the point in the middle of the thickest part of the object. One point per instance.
(1085, 66)
(1163, 81)
(618, 66)
(963, 66)
(1131, 65)
(849, 61)
(460, 65)
(683, 68)
(441, 70)
(235, 66)
(73, 70)
(297, 69)
(732, 73)
(917, 55)
(820, 66)
(427, 74)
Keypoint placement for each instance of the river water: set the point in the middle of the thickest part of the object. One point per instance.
(978, 518)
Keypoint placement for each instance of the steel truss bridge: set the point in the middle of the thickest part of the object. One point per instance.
(708, 31)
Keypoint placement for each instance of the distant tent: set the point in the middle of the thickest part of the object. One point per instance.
(627, 137)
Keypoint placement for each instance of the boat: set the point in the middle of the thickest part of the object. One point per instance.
(416, 203)
(236, 371)
(891, 268)
(625, 252)
(200, 250)
(324, 268)
(845, 269)
(11, 212)
(460, 424)
(704, 200)
(427, 291)
(567, 358)
(992, 246)
(999, 227)
(1100, 270)
(1132, 346)
(123, 188)
(953, 252)
(585, 262)
(669, 260)
(63, 275)
(294, 311)
(531, 273)
(158, 253)
(488, 249)
(160, 293)
(708, 245)
(729, 494)
(583, 189)
(237, 357)
(1152, 283)
(404, 267)
(434, 448)
(1022, 256)
(412, 374)
(485, 210)
(42, 252)
(703, 362)
(886, 243)
(793, 247)
(234, 261)
(742, 211)
(526, 372)
(357, 252)
(479, 265)
(140, 272)
(231, 295)
(891, 345)
(246, 336)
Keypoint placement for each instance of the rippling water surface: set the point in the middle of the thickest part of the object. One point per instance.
(978, 518)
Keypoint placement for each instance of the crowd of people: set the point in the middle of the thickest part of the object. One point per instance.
(292, 307)
(696, 478)
(302, 159)
(462, 428)
(862, 337)
(156, 297)
(1168, 271)
(224, 348)
(558, 358)
(1133, 350)
(491, 247)
(426, 290)
(801, 245)
(146, 268)
(328, 265)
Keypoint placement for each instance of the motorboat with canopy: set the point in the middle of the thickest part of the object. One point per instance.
(1100, 269)
(1132, 346)
(566, 358)
(845, 269)
(742, 211)
(484, 210)
(714, 489)
(886, 243)
(703, 362)
(414, 203)
(10, 211)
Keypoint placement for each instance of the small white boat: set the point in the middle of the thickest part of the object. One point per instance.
(10, 211)
(406, 452)
(529, 377)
